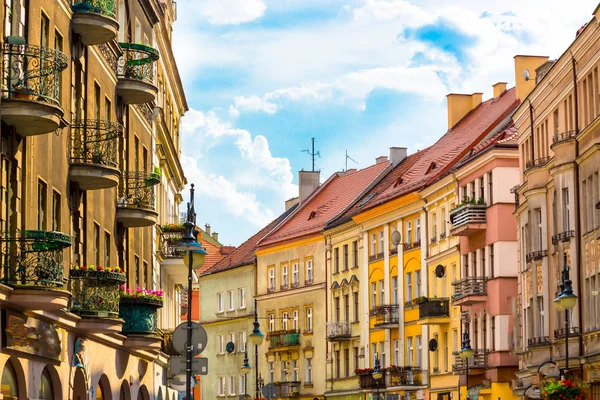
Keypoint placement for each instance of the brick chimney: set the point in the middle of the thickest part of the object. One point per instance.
(308, 181)
(460, 105)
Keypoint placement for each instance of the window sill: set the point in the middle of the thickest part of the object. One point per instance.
(308, 385)
(307, 333)
(242, 308)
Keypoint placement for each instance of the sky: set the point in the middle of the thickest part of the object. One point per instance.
(263, 77)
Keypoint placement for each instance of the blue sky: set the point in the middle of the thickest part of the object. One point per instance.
(262, 77)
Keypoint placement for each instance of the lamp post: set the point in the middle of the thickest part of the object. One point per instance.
(256, 338)
(194, 256)
(566, 300)
(377, 374)
(465, 353)
(245, 370)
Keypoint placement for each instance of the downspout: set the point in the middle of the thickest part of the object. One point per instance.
(327, 313)
(532, 144)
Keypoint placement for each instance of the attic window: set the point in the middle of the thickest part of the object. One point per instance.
(399, 182)
(432, 166)
(312, 215)
(366, 199)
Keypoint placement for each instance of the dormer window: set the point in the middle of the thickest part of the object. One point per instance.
(312, 215)
(432, 166)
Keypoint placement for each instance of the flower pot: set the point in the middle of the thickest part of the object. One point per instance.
(140, 315)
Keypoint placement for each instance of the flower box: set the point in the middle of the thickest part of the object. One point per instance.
(139, 310)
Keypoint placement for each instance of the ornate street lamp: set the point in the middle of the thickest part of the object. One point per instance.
(465, 353)
(256, 338)
(377, 374)
(566, 300)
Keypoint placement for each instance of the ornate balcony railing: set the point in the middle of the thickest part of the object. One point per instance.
(385, 314)
(468, 214)
(536, 255)
(136, 190)
(287, 389)
(538, 162)
(479, 360)
(34, 259)
(284, 338)
(376, 257)
(137, 62)
(405, 376)
(95, 142)
(32, 72)
(411, 245)
(367, 381)
(170, 239)
(471, 286)
(167, 342)
(105, 7)
(562, 332)
(564, 136)
(538, 341)
(434, 308)
(562, 237)
(338, 330)
(95, 293)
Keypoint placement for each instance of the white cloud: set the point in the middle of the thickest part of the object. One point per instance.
(231, 12)
(252, 104)
(381, 10)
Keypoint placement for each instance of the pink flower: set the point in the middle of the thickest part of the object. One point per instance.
(122, 287)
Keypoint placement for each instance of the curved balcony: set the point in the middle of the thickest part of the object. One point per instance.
(31, 87)
(32, 264)
(94, 21)
(135, 71)
(386, 316)
(135, 206)
(94, 149)
(338, 331)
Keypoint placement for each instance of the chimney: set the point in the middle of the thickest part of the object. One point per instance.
(291, 202)
(459, 105)
(499, 88)
(397, 155)
(525, 67)
(380, 159)
(215, 236)
(309, 181)
(207, 228)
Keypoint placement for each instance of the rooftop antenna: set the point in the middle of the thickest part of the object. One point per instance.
(312, 154)
(349, 158)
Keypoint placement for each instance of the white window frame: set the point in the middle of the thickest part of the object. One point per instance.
(295, 320)
(220, 302)
(284, 275)
(294, 370)
(242, 341)
(409, 350)
(284, 320)
(271, 278)
(241, 384)
(373, 294)
(309, 271)
(271, 322)
(409, 238)
(417, 283)
(373, 244)
(395, 290)
(396, 360)
(271, 367)
(221, 344)
(417, 230)
(231, 338)
(231, 300)
(295, 274)
(308, 378)
(409, 286)
(232, 385)
(381, 242)
(309, 319)
(381, 291)
(419, 361)
(221, 386)
(242, 296)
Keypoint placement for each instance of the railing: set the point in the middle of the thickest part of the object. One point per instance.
(287, 389)
(536, 255)
(34, 259)
(167, 343)
(105, 7)
(411, 245)
(137, 190)
(562, 332)
(443, 235)
(472, 286)
(410, 304)
(32, 72)
(376, 257)
(137, 62)
(468, 214)
(367, 381)
(564, 136)
(95, 142)
(538, 341)
(338, 330)
(433, 239)
(434, 308)
(537, 162)
(394, 251)
(478, 360)
(95, 293)
(284, 338)
(405, 376)
(385, 314)
(562, 237)
(170, 240)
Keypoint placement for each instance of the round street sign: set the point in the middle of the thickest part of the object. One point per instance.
(269, 390)
(199, 338)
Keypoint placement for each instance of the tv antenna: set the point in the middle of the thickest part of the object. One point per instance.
(312, 153)
(349, 158)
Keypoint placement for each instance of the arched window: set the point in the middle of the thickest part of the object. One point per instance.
(46, 390)
(9, 388)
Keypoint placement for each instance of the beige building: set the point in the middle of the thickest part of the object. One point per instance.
(90, 150)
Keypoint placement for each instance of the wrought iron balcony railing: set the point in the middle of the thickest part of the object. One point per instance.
(434, 308)
(95, 293)
(468, 214)
(287, 389)
(536, 255)
(562, 237)
(284, 338)
(562, 332)
(376, 257)
(385, 314)
(471, 286)
(105, 7)
(479, 360)
(137, 62)
(95, 142)
(564, 136)
(538, 341)
(538, 162)
(367, 381)
(170, 239)
(34, 258)
(137, 190)
(338, 330)
(32, 72)
(405, 376)
(411, 245)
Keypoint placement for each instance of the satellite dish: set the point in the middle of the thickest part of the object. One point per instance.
(526, 75)
(396, 238)
(230, 347)
(433, 345)
(440, 271)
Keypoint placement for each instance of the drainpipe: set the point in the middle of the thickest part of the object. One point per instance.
(327, 313)
(531, 128)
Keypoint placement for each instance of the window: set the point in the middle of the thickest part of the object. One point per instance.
(346, 362)
(136, 153)
(346, 266)
(220, 302)
(395, 290)
(138, 32)
(409, 238)
(122, 21)
(97, 101)
(294, 370)
(46, 390)
(373, 244)
(308, 320)
(232, 385)
(284, 276)
(242, 341)
(337, 363)
(241, 384)
(145, 271)
(107, 109)
(380, 242)
(295, 320)
(271, 323)
(373, 353)
(443, 222)
(97, 245)
(231, 338)
(382, 353)
(373, 294)
(482, 264)
(308, 376)
(355, 254)
(538, 213)
(381, 291)
(409, 286)
(396, 357)
(230, 300)
(446, 360)
(284, 320)
(56, 217)
(490, 189)
(565, 211)
(418, 230)
(409, 350)
(436, 356)
(107, 243)
(136, 261)
(271, 279)
(309, 272)
(271, 366)
(221, 386)
(336, 259)
(417, 283)
(355, 298)
(42, 200)
(491, 252)
(45, 31)
(242, 295)
(221, 344)
(419, 351)
(346, 308)
(433, 227)
(540, 301)
(295, 275)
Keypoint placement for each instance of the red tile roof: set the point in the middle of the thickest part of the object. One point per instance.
(507, 137)
(245, 253)
(214, 255)
(339, 191)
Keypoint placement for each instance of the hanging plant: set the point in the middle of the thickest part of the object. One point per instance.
(566, 389)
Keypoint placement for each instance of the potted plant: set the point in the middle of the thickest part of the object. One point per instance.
(139, 309)
(565, 389)
(154, 177)
(363, 371)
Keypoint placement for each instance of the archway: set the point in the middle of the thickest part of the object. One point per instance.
(13, 380)
(103, 391)
(50, 386)
(79, 385)
(125, 392)
(143, 393)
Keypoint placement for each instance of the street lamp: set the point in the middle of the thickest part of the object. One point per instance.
(566, 300)
(465, 353)
(245, 370)
(195, 256)
(256, 338)
(377, 374)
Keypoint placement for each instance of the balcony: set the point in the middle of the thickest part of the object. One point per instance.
(538, 341)
(536, 255)
(562, 237)
(539, 162)
(94, 154)
(135, 71)
(284, 339)
(478, 361)
(170, 237)
(434, 311)
(32, 264)
(135, 206)
(94, 21)
(31, 87)
(469, 291)
(405, 376)
(394, 251)
(563, 137)
(386, 316)
(468, 219)
(412, 245)
(376, 257)
(339, 331)
(366, 381)
(562, 332)
(287, 389)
